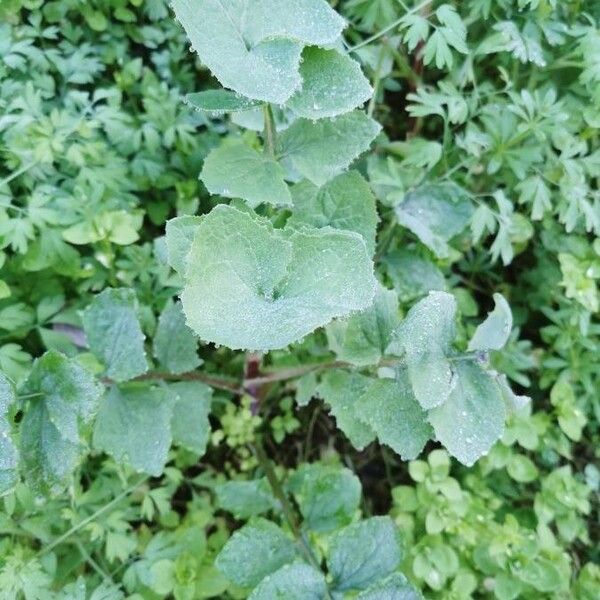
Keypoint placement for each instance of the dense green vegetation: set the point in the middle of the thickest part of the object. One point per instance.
(308, 312)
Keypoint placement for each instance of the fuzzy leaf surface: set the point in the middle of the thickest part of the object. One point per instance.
(189, 424)
(494, 332)
(292, 582)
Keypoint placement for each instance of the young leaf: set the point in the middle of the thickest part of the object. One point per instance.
(332, 84)
(235, 170)
(292, 582)
(394, 587)
(255, 551)
(362, 338)
(321, 150)
(251, 286)
(494, 332)
(8, 450)
(435, 213)
(472, 418)
(180, 233)
(245, 499)
(345, 202)
(327, 496)
(175, 346)
(342, 391)
(114, 334)
(362, 553)
(64, 399)
(218, 102)
(425, 337)
(189, 424)
(391, 410)
(134, 426)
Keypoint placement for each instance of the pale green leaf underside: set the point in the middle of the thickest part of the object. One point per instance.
(175, 346)
(391, 410)
(345, 202)
(134, 426)
(394, 587)
(362, 553)
(190, 426)
(218, 102)
(8, 450)
(425, 337)
(114, 334)
(320, 150)
(180, 233)
(292, 582)
(494, 332)
(237, 171)
(255, 551)
(332, 84)
(254, 287)
(362, 338)
(472, 418)
(253, 46)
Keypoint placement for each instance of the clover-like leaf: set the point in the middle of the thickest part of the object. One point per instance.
(251, 286)
(234, 170)
(218, 102)
(292, 582)
(8, 451)
(494, 332)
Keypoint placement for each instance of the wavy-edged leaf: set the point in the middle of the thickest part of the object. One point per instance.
(190, 426)
(234, 170)
(320, 150)
(292, 582)
(332, 84)
(494, 332)
(8, 451)
(114, 335)
(251, 286)
(218, 102)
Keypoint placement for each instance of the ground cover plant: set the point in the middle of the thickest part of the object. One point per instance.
(299, 300)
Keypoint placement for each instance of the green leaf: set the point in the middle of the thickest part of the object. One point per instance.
(189, 424)
(251, 286)
(245, 499)
(255, 551)
(114, 334)
(292, 582)
(234, 170)
(345, 202)
(435, 213)
(180, 233)
(472, 418)
(320, 150)
(425, 337)
(255, 50)
(391, 410)
(342, 391)
(8, 451)
(327, 496)
(332, 84)
(175, 346)
(363, 552)
(494, 332)
(394, 587)
(134, 426)
(218, 102)
(64, 399)
(412, 275)
(362, 338)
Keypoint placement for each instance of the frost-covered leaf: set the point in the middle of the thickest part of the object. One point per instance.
(435, 213)
(345, 202)
(472, 418)
(189, 424)
(394, 587)
(175, 346)
(180, 233)
(320, 150)
(218, 102)
(327, 496)
(494, 332)
(255, 48)
(413, 275)
(235, 170)
(114, 334)
(63, 400)
(362, 338)
(341, 390)
(391, 410)
(8, 450)
(363, 552)
(332, 84)
(245, 499)
(249, 285)
(292, 582)
(134, 426)
(425, 338)
(255, 551)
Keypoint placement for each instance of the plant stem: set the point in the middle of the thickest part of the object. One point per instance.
(270, 131)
